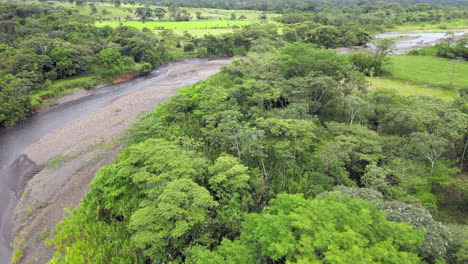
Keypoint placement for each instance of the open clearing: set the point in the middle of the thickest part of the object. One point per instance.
(127, 11)
(424, 76)
(196, 28)
(214, 21)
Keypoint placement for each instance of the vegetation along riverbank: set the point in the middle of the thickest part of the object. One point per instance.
(287, 153)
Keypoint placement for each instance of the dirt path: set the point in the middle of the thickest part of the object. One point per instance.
(72, 154)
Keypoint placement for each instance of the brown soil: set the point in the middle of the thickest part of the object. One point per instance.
(123, 77)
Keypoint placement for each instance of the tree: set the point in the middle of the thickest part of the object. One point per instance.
(93, 8)
(242, 17)
(199, 15)
(329, 229)
(176, 218)
(80, 2)
(356, 145)
(143, 13)
(375, 178)
(117, 3)
(383, 46)
(110, 62)
(429, 146)
(160, 13)
(327, 36)
(63, 61)
(315, 90)
(173, 9)
(233, 16)
(7, 31)
(356, 107)
(229, 179)
(14, 100)
(437, 237)
(289, 34)
(182, 15)
(189, 47)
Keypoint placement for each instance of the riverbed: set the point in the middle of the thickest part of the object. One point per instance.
(406, 41)
(75, 132)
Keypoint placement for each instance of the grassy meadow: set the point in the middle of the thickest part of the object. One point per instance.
(215, 21)
(195, 27)
(423, 75)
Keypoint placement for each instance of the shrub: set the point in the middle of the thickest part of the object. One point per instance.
(189, 47)
(368, 63)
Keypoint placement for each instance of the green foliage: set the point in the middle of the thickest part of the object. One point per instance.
(328, 229)
(458, 246)
(196, 174)
(449, 48)
(17, 256)
(110, 62)
(437, 237)
(14, 102)
(368, 63)
(174, 219)
(56, 162)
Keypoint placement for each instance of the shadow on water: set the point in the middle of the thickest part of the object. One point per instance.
(16, 168)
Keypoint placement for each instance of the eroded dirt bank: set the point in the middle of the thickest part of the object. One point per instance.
(63, 162)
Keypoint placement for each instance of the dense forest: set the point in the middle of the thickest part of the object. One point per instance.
(286, 156)
(283, 157)
(46, 43)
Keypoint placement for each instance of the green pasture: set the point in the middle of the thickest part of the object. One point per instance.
(195, 27)
(423, 75)
(125, 11)
(181, 25)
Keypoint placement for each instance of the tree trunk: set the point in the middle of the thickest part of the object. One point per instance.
(463, 154)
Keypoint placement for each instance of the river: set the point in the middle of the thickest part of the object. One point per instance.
(408, 41)
(13, 141)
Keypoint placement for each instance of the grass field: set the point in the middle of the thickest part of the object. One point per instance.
(196, 27)
(425, 76)
(124, 11)
(215, 21)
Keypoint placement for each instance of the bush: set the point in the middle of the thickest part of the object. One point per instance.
(368, 63)
(189, 47)
(426, 51)
(146, 68)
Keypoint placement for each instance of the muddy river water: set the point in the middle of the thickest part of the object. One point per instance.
(14, 141)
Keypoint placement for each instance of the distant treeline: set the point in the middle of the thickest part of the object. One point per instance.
(371, 14)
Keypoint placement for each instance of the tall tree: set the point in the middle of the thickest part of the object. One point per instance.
(160, 13)
(174, 219)
(143, 13)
